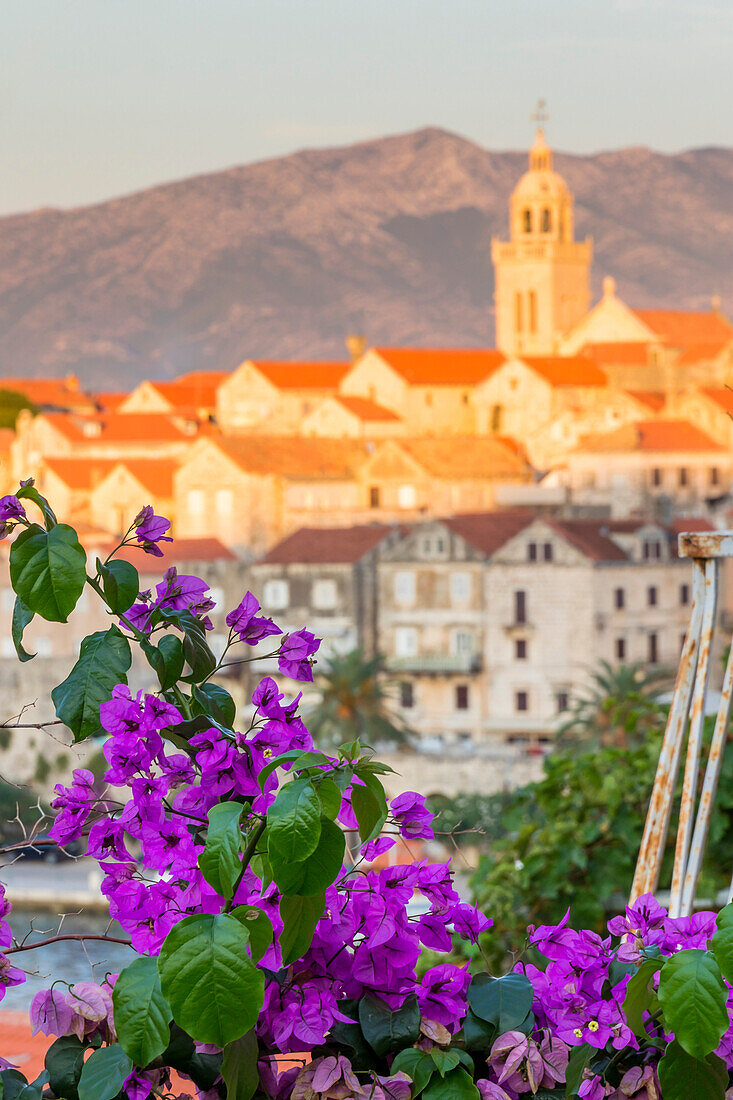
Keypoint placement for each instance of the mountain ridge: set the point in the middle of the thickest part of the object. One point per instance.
(284, 256)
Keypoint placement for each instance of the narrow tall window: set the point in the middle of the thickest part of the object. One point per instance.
(531, 551)
(407, 694)
(373, 496)
(518, 312)
(619, 599)
(651, 595)
(496, 417)
(656, 477)
(532, 308)
(714, 475)
(653, 649)
(527, 221)
(520, 606)
(520, 649)
(683, 477)
(461, 696)
(620, 649)
(547, 551)
(546, 221)
(521, 701)
(684, 594)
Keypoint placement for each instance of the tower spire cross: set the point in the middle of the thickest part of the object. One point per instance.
(540, 115)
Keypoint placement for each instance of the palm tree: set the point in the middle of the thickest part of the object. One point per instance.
(355, 703)
(620, 708)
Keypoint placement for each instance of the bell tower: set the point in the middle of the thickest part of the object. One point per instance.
(542, 273)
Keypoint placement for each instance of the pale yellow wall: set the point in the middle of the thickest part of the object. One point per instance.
(247, 400)
(35, 437)
(118, 498)
(145, 399)
(610, 322)
(526, 401)
(705, 414)
(372, 377)
(332, 420)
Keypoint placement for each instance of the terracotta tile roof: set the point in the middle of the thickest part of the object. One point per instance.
(155, 475)
(442, 366)
(188, 395)
(178, 552)
(79, 474)
(295, 457)
(327, 545)
(117, 427)
(592, 537)
(650, 398)
(203, 377)
(63, 393)
(621, 354)
(468, 457)
(722, 396)
(110, 402)
(687, 328)
(313, 375)
(650, 436)
(365, 409)
(702, 353)
(690, 523)
(488, 531)
(561, 370)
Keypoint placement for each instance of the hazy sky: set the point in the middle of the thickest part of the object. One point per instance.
(101, 97)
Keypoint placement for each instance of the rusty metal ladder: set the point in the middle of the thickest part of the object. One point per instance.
(685, 722)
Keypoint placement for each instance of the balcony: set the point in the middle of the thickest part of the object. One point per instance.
(437, 664)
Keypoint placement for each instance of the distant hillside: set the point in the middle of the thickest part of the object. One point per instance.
(282, 258)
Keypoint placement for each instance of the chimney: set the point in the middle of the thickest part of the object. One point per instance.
(356, 346)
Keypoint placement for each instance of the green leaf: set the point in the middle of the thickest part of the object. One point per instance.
(103, 1073)
(104, 659)
(259, 927)
(239, 1067)
(457, 1085)
(639, 992)
(217, 702)
(12, 1084)
(387, 1029)
(721, 944)
(48, 570)
(213, 988)
(330, 797)
(579, 1058)
(120, 584)
(22, 616)
(29, 492)
(166, 659)
(314, 874)
(64, 1060)
(478, 1035)
(369, 808)
(694, 998)
(141, 1012)
(300, 917)
(219, 862)
(504, 1001)
(417, 1064)
(294, 821)
(683, 1077)
(445, 1060)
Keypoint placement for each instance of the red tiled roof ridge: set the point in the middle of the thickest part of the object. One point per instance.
(327, 545)
(442, 366)
(651, 435)
(571, 370)
(365, 408)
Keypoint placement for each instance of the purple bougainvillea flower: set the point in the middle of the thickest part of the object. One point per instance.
(51, 1012)
(412, 816)
(247, 625)
(296, 652)
(11, 508)
(150, 530)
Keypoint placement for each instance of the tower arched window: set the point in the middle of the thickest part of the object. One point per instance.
(518, 312)
(527, 220)
(546, 220)
(532, 310)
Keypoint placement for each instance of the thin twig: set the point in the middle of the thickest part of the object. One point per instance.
(68, 936)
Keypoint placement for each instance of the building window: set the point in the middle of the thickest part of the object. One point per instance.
(518, 312)
(324, 595)
(224, 502)
(546, 221)
(562, 701)
(620, 649)
(405, 587)
(439, 545)
(197, 502)
(497, 411)
(521, 701)
(527, 220)
(547, 551)
(464, 398)
(619, 598)
(651, 595)
(684, 594)
(531, 551)
(682, 476)
(714, 475)
(373, 496)
(653, 649)
(276, 594)
(532, 310)
(656, 477)
(460, 587)
(463, 641)
(405, 641)
(652, 550)
(520, 607)
(407, 694)
(520, 649)
(406, 496)
(461, 696)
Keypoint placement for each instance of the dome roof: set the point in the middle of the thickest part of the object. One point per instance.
(540, 183)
